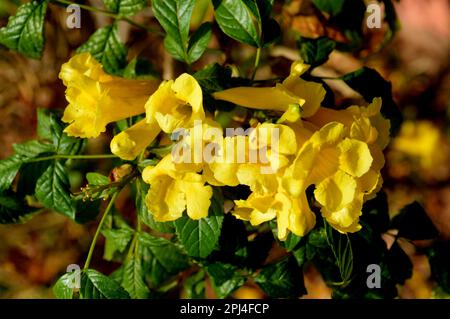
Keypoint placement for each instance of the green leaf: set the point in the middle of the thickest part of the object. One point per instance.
(133, 279)
(199, 41)
(315, 51)
(45, 121)
(175, 49)
(213, 78)
(376, 213)
(283, 279)
(29, 173)
(291, 242)
(200, 237)
(333, 7)
(32, 149)
(140, 68)
(175, 16)
(62, 288)
(370, 84)
(439, 258)
(13, 210)
(53, 190)
(117, 240)
(236, 20)
(125, 7)
(161, 258)
(97, 179)
(95, 285)
(106, 47)
(225, 278)
(413, 223)
(25, 30)
(8, 171)
(194, 286)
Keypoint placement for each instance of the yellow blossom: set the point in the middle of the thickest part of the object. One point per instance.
(172, 191)
(132, 141)
(176, 104)
(292, 96)
(96, 98)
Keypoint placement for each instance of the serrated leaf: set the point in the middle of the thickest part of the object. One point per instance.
(95, 285)
(199, 41)
(235, 19)
(117, 240)
(53, 190)
(413, 223)
(63, 287)
(8, 170)
(125, 7)
(370, 84)
(161, 258)
(133, 279)
(225, 278)
(13, 210)
(97, 179)
(25, 30)
(333, 7)
(32, 149)
(175, 16)
(175, 49)
(315, 51)
(200, 237)
(283, 279)
(107, 48)
(213, 78)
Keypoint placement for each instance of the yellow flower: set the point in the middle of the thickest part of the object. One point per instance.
(293, 94)
(172, 191)
(96, 98)
(339, 167)
(176, 104)
(132, 141)
(292, 213)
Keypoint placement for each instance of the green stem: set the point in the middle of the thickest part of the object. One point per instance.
(79, 157)
(256, 65)
(110, 14)
(97, 232)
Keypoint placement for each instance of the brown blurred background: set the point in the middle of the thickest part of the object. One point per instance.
(417, 63)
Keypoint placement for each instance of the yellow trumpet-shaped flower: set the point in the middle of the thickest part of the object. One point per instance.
(294, 93)
(340, 168)
(292, 213)
(176, 104)
(172, 191)
(131, 142)
(96, 98)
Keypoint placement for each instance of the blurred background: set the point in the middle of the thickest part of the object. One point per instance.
(417, 62)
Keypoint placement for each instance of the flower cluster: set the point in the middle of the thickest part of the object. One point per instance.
(338, 152)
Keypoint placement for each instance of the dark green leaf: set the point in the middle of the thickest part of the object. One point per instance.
(53, 190)
(283, 279)
(199, 41)
(376, 213)
(29, 173)
(291, 241)
(315, 51)
(194, 286)
(125, 7)
(370, 84)
(140, 68)
(213, 78)
(200, 237)
(333, 7)
(175, 49)
(413, 223)
(225, 278)
(235, 19)
(97, 179)
(95, 285)
(161, 258)
(12, 209)
(8, 170)
(117, 240)
(63, 287)
(25, 30)
(32, 149)
(106, 47)
(133, 279)
(439, 257)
